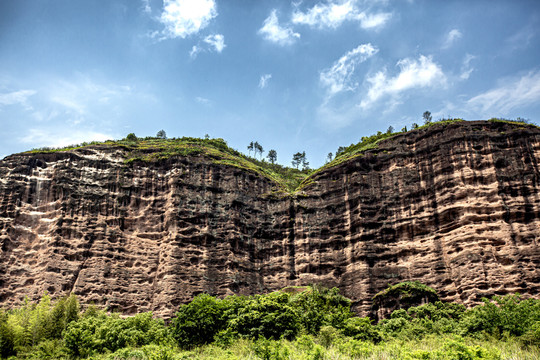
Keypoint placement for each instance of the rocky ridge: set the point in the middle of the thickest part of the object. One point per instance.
(453, 206)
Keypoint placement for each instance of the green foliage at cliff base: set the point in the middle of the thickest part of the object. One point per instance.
(312, 324)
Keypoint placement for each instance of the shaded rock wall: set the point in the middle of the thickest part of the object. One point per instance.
(455, 207)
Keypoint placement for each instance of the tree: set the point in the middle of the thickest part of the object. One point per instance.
(305, 163)
(340, 150)
(198, 322)
(161, 134)
(300, 159)
(258, 148)
(414, 126)
(206, 137)
(390, 129)
(427, 117)
(296, 160)
(404, 129)
(131, 137)
(329, 157)
(272, 156)
(250, 147)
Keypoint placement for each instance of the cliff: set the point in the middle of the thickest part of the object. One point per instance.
(455, 206)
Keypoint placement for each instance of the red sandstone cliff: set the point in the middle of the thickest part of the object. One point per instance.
(456, 207)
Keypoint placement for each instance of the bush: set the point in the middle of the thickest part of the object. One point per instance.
(532, 336)
(455, 349)
(198, 322)
(318, 306)
(269, 316)
(7, 343)
(509, 314)
(270, 349)
(97, 334)
(356, 348)
(328, 335)
(361, 329)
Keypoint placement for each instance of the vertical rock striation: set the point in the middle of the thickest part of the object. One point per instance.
(456, 207)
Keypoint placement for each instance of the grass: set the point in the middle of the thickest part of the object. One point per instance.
(289, 181)
(309, 347)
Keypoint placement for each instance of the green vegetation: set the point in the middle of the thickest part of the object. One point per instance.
(301, 323)
(371, 142)
(407, 293)
(288, 179)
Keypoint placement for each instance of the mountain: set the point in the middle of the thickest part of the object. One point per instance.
(146, 224)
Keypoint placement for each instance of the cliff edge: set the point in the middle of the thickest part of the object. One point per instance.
(455, 206)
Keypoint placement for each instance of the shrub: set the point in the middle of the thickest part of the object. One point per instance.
(7, 343)
(318, 306)
(269, 316)
(456, 349)
(356, 348)
(508, 314)
(198, 322)
(267, 349)
(328, 335)
(361, 329)
(532, 336)
(95, 334)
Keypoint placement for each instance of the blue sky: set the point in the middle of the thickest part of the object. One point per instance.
(293, 75)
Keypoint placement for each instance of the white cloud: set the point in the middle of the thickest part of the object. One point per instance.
(419, 73)
(16, 97)
(195, 50)
(338, 78)
(333, 14)
(374, 20)
(183, 18)
(203, 101)
(61, 137)
(217, 41)
(272, 31)
(466, 68)
(263, 81)
(146, 6)
(513, 94)
(452, 36)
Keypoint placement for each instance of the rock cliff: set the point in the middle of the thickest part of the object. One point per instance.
(454, 206)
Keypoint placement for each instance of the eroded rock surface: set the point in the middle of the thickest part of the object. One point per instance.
(455, 207)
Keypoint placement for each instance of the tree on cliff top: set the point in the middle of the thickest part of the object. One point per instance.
(272, 156)
(161, 134)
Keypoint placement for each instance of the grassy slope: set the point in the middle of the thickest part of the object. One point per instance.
(289, 180)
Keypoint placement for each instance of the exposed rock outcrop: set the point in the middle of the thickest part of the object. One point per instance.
(455, 207)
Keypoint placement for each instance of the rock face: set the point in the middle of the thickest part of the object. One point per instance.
(456, 207)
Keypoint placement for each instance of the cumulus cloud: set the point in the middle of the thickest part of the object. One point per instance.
(16, 97)
(273, 32)
(338, 78)
(183, 18)
(513, 94)
(413, 73)
(452, 36)
(217, 41)
(263, 81)
(333, 14)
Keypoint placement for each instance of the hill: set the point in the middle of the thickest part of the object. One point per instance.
(147, 224)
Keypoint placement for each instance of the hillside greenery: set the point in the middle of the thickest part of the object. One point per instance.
(288, 179)
(316, 323)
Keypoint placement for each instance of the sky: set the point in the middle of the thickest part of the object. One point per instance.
(292, 75)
